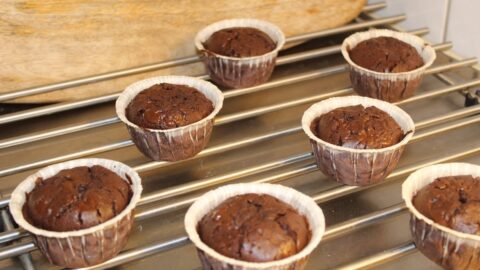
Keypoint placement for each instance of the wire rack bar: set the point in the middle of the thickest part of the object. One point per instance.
(17, 249)
(65, 106)
(230, 118)
(381, 258)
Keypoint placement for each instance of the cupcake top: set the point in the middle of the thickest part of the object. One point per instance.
(452, 201)
(166, 106)
(358, 127)
(254, 228)
(77, 198)
(386, 54)
(239, 42)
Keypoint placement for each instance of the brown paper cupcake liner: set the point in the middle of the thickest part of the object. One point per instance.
(88, 246)
(448, 248)
(389, 87)
(213, 260)
(234, 72)
(356, 167)
(177, 143)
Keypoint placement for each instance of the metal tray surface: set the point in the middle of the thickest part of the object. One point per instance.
(256, 138)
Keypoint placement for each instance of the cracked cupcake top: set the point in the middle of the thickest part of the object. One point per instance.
(240, 42)
(254, 228)
(77, 198)
(386, 54)
(166, 106)
(358, 127)
(452, 201)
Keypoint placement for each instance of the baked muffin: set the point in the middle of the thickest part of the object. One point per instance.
(386, 54)
(444, 202)
(358, 127)
(75, 199)
(385, 64)
(239, 53)
(165, 106)
(79, 212)
(357, 140)
(452, 201)
(239, 42)
(254, 228)
(170, 118)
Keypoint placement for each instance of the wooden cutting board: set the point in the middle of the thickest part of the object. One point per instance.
(46, 41)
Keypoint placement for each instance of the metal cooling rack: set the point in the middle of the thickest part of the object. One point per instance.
(257, 138)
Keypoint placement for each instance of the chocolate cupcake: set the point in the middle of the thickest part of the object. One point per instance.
(240, 53)
(386, 54)
(385, 64)
(79, 212)
(452, 201)
(239, 42)
(166, 106)
(357, 140)
(77, 198)
(254, 228)
(444, 204)
(170, 118)
(358, 127)
(279, 229)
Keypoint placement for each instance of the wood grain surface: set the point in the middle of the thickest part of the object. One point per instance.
(46, 41)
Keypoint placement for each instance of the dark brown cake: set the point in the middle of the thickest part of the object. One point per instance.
(452, 201)
(254, 228)
(358, 127)
(77, 198)
(386, 54)
(166, 106)
(240, 42)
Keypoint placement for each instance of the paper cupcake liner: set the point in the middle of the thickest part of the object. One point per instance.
(234, 72)
(448, 248)
(358, 167)
(176, 143)
(215, 261)
(88, 246)
(390, 87)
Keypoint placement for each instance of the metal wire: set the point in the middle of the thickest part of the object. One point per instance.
(322, 197)
(330, 232)
(227, 94)
(138, 254)
(65, 106)
(381, 258)
(234, 117)
(25, 259)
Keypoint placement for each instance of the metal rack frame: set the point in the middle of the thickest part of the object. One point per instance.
(18, 243)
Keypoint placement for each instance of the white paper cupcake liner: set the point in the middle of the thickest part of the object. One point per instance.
(357, 167)
(387, 86)
(216, 261)
(87, 246)
(176, 143)
(242, 72)
(447, 247)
